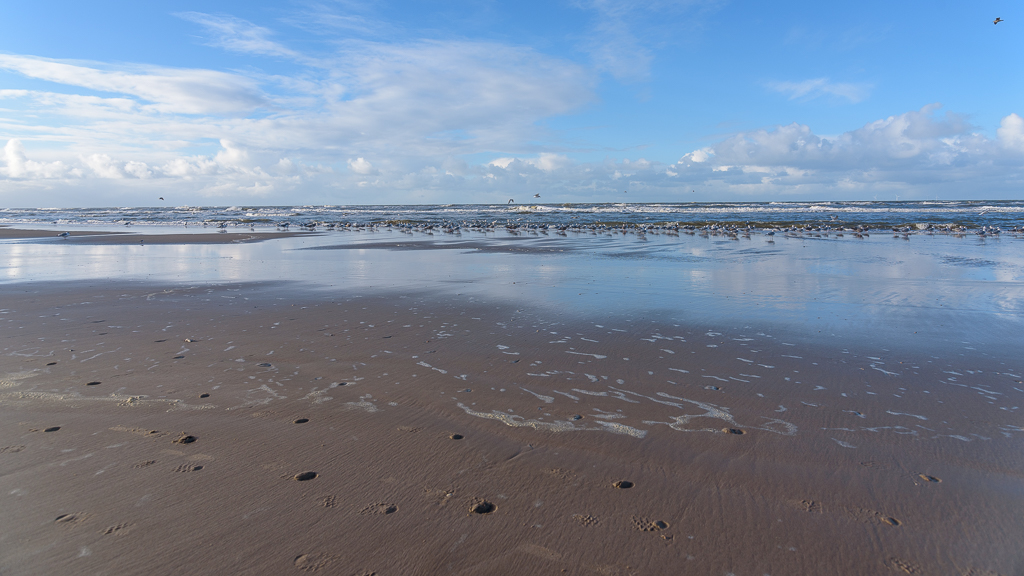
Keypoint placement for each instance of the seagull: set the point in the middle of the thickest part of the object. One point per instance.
(161, 197)
(536, 195)
(511, 201)
(64, 234)
(998, 20)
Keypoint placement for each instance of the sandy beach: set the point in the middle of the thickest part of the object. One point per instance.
(272, 427)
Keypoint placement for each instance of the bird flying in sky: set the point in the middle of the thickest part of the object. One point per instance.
(998, 20)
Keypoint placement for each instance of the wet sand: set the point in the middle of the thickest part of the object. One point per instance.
(274, 429)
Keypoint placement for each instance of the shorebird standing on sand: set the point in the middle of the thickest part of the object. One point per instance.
(64, 234)
(998, 20)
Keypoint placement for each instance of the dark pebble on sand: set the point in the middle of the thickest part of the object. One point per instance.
(52, 429)
(204, 395)
(456, 436)
(92, 383)
(177, 358)
(303, 476)
(623, 484)
(577, 417)
(51, 363)
(300, 421)
(264, 364)
(733, 431)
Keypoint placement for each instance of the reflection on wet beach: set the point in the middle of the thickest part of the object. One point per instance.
(932, 288)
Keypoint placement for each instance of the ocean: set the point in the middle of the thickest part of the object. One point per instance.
(970, 214)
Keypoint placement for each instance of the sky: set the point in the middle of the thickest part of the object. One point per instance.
(120, 103)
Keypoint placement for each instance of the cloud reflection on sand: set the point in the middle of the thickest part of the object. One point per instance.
(839, 286)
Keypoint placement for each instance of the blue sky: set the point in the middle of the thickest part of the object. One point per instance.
(211, 103)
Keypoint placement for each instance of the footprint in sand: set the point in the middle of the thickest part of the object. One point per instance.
(561, 474)
(808, 506)
(139, 431)
(185, 439)
(313, 562)
(144, 464)
(647, 525)
(11, 449)
(901, 565)
(871, 516)
(71, 520)
(329, 501)
(440, 496)
(481, 506)
(378, 509)
(408, 429)
(189, 467)
(858, 514)
(586, 519)
(118, 529)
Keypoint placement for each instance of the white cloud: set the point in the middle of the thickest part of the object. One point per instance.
(361, 166)
(919, 152)
(138, 169)
(239, 35)
(915, 137)
(702, 155)
(818, 87)
(169, 90)
(18, 164)
(102, 166)
(501, 162)
(1011, 132)
(421, 103)
(545, 162)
